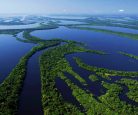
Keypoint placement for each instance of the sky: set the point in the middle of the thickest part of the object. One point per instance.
(68, 6)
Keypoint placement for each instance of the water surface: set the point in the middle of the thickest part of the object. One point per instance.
(116, 29)
(111, 61)
(11, 51)
(30, 99)
(94, 40)
(109, 43)
(28, 26)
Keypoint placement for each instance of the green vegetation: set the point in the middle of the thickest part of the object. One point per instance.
(106, 73)
(95, 21)
(129, 55)
(52, 62)
(96, 52)
(111, 100)
(42, 26)
(92, 107)
(55, 58)
(32, 39)
(132, 86)
(108, 104)
(93, 78)
(11, 87)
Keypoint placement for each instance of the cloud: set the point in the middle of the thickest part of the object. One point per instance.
(121, 10)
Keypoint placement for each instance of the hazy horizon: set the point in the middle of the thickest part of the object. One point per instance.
(91, 7)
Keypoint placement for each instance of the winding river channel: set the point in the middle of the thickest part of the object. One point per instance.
(30, 99)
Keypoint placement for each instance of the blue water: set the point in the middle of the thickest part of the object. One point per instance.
(94, 40)
(116, 29)
(66, 93)
(109, 43)
(30, 99)
(20, 35)
(11, 52)
(96, 88)
(111, 61)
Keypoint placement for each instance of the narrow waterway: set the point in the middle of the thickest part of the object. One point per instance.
(30, 99)
(98, 88)
(66, 93)
(94, 87)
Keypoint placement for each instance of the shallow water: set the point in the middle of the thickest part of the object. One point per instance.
(20, 35)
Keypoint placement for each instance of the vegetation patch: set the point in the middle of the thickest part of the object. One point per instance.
(111, 99)
(106, 73)
(127, 35)
(132, 86)
(53, 62)
(93, 78)
(106, 104)
(129, 55)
